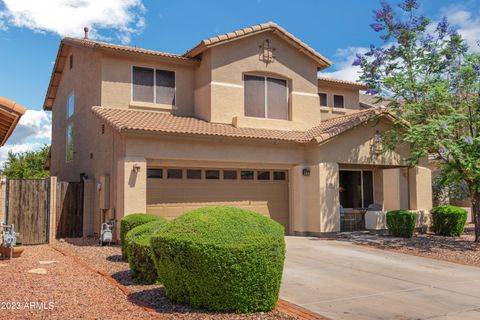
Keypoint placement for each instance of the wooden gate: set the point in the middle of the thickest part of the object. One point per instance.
(27, 207)
(69, 209)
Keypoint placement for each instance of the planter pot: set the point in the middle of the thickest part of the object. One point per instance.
(17, 251)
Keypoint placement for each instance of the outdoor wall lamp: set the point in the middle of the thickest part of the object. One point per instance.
(136, 168)
(306, 172)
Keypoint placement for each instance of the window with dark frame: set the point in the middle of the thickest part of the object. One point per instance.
(266, 97)
(212, 174)
(194, 174)
(356, 188)
(71, 61)
(154, 173)
(153, 85)
(229, 174)
(246, 175)
(338, 101)
(174, 174)
(263, 175)
(323, 99)
(279, 175)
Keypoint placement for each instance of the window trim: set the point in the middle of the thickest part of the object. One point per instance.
(326, 98)
(361, 182)
(265, 94)
(134, 102)
(333, 100)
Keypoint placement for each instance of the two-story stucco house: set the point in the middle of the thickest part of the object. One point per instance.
(241, 119)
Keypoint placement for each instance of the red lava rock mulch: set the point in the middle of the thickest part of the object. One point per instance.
(108, 260)
(66, 291)
(461, 249)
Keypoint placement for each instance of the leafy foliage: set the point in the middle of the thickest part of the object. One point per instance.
(434, 81)
(221, 258)
(401, 223)
(26, 165)
(139, 252)
(448, 220)
(131, 221)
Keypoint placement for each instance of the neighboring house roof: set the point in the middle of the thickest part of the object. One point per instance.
(370, 101)
(127, 120)
(256, 29)
(344, 83)
(10, 114)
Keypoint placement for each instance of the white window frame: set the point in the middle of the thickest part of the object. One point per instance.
(361, 182)
(326, 94)
(266, 93)
(154, 83)
(333, 100)
(72, 94)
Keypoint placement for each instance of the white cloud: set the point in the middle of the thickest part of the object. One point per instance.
(15, 148)
(467, 24)
(68, 17)
(34, 124)
(342, 61)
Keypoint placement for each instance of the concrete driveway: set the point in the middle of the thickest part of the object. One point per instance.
(340, 280)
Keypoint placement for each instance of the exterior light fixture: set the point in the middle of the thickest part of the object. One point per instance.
(306, 172)
(136, 168)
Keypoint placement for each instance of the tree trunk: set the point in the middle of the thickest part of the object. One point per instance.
(476, 214)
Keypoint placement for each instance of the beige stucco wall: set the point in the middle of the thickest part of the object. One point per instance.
(117, 84)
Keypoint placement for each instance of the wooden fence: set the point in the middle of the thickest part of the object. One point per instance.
(42, 209)
(27, 207)
(69, 202)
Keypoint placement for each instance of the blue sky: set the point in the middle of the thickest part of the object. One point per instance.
(30, 32)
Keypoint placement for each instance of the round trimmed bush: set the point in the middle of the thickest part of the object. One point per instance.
(139, 251)
(131, 221)
(448, 220)
(401, 223)
(221, 258)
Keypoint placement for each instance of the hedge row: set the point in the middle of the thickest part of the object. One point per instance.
(221, 258)
(448, 220)
(129, 222)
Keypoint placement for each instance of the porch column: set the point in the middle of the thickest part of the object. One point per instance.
(420, 188)
(131, 186)
(329, 208)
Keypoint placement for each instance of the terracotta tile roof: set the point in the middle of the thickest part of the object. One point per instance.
(357, 85)
(10, 114)
(127, 120)
(370, 101)
(87, 43)
(269, 26)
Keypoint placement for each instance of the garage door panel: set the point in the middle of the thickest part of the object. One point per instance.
(170, 198)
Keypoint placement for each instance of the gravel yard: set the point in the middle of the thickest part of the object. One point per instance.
(67, 290)
(108, 259)
(461, 249)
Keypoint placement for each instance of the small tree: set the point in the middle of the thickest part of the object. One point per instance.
(435, 83)
(26, 165)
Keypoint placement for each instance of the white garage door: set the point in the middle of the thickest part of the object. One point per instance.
(173, 191)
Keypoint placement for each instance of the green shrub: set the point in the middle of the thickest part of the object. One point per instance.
(401, 223)
(131, 221)
(221, 258)
(448, 220)
(139, 251)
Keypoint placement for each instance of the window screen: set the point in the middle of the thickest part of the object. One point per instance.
(277, 105)
(338, 101)
(323, 99)
(142, 84)
(254, 96)
(165, 87)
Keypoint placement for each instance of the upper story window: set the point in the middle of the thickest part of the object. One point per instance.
(69, 146)
(71, 61)
(153, 86)
(70, 105)
(338, 101)
(266, 97)
(323, 99)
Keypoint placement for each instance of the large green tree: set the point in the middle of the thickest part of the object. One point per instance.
(435, 81)
(26, 165)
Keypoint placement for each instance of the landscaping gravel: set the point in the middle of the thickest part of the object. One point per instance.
(461, 249)
(58, 288)
(108, 259)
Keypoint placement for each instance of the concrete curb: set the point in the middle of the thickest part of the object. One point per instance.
(282, 305)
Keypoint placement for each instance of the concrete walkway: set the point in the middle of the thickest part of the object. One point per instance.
(340, 280)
